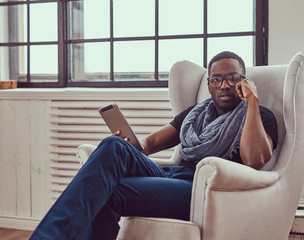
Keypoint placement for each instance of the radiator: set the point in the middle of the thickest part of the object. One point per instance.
(77, 122)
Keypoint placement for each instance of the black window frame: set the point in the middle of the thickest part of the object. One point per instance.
(260, 31)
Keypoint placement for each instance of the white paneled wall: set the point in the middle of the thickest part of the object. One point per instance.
(40, 131)
(24, 141)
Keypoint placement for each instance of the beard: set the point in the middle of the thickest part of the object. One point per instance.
(227, 106)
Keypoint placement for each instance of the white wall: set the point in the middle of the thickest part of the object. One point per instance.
(40, 130)
(4, 69)
(286, 30)
(286, 33)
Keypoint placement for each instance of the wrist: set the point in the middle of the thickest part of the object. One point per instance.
(252, 99)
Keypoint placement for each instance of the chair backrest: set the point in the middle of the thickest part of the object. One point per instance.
(188, 85)
(270, 85)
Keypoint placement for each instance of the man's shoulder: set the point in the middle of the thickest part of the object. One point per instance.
(265, 110)
(270, 124)
(268, 118)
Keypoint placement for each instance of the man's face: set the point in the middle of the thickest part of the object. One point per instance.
(225, 97)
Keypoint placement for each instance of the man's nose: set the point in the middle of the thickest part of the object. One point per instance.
(225, 84)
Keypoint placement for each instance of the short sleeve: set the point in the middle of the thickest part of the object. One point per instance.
(270, 125)
(178, 119)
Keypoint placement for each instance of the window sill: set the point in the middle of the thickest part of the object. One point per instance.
(82, 93)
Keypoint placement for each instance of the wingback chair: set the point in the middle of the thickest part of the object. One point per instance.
(231, 201)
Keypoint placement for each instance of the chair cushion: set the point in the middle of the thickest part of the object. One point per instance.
(138, 228)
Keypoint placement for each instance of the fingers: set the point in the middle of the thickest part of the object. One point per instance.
(245, 82)
(245, 89)
(249, 82)
(252, 86)
(117, 134)
(239, 91)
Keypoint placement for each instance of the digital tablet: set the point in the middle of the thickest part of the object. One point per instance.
(115, 120)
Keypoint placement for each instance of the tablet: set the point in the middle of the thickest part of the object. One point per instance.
(115, 120)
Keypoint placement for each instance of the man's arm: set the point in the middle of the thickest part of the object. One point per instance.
(255, 144)
(164, 138)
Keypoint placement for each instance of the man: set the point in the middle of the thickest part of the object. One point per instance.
(118, 180)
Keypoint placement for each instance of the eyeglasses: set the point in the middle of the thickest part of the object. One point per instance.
(231, 79)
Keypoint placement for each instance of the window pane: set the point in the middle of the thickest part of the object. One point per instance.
(13, 63)
(134, 59)
(134, 18)
(13, 23)
(90, 61)
(45, 13)
(243, 46)
(44, 61)
(171, 51)
(89, 19)
(181, 17)
(230, 16)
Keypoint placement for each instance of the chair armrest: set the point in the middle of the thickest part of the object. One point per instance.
(215, 174)
(84, 151)
(230, 176)
(163, 162)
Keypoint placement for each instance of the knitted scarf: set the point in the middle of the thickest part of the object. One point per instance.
(203, 134)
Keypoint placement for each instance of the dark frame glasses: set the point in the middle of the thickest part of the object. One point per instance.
(232, 79)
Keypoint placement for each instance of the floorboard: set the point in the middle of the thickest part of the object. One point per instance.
(14, 234)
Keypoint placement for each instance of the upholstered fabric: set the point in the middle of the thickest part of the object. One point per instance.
(139, 228)
(84, 151)
(232, 201)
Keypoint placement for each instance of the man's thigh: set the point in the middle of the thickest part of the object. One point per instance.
(152, 197)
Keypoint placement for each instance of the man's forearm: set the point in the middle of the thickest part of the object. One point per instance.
(255, 145)
(165, 137)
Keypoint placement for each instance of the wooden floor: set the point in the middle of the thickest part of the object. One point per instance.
(14, 234)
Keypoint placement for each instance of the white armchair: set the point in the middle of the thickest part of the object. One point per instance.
(231, 201)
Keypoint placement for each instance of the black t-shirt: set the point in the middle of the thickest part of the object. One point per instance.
(268, 120)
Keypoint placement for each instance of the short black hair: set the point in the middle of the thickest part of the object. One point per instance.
(227, 54)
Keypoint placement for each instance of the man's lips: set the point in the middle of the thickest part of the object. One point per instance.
(226, 97)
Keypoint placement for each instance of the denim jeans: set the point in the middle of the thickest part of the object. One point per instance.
(117, 180)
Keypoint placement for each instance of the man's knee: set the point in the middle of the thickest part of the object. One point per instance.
(111, 144)
(111, 149)
(112, 140)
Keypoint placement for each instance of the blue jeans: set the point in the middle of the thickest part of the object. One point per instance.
(117, 180)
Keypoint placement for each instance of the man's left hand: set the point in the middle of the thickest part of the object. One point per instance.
(246, 89)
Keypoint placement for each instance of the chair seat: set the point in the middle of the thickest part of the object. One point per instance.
(138, 228)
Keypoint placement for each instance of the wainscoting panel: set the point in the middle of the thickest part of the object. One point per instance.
(40, 130)
(24, 140)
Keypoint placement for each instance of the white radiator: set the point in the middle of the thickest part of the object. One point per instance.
(77, 122)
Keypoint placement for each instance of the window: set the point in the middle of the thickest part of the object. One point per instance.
(124, 43)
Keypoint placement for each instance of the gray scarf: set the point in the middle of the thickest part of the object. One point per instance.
(203, 134)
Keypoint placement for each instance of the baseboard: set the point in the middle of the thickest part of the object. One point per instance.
(19, 222)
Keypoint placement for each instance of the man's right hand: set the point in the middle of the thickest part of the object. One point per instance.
(117, 134)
